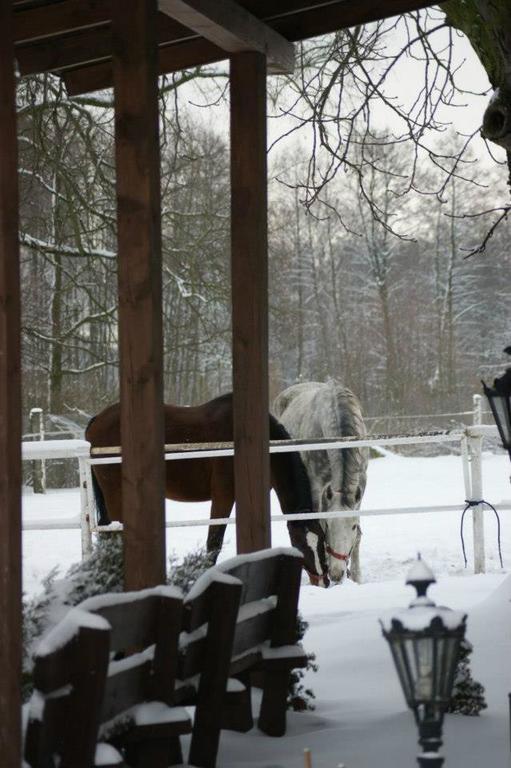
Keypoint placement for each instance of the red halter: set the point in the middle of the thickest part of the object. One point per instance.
(337, 555)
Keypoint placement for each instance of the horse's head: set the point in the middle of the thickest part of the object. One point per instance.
(308, 536)
(342, 534)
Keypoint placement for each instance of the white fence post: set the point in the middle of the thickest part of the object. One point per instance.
(476, 473)
(85, 508)
(477, 418)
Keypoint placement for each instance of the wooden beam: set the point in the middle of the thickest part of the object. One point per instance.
(34, 23)
(140, 282)
(249, 271)
(311, 19)
(232, 28)
(10, 410)
(172, 58)
(84, 47)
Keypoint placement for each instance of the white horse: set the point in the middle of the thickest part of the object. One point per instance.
(338, 477)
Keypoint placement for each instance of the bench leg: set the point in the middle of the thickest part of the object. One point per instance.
(205, 738)
(237, 711)
(272, 718)
(156, 753)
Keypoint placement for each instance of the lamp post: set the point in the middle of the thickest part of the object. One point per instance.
(499, 397)
(424, 640)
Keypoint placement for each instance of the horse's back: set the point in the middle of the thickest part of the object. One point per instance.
(326, 409)
(322, 408)
(208, 422)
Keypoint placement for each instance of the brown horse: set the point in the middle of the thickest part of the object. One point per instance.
(212, 478)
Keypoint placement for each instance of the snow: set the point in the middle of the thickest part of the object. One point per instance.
(107, 601)
(119, 666)
(419, 618)
(283, 652)
(234, 686)
(420, 571)
(254, 557)
(68, 628)
(54, 449)
(153, 712)
(207, 578)
(256, 608)
(106, 755)
(361, 718)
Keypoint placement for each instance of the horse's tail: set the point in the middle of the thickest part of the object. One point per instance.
(101, 511)
(353, 461)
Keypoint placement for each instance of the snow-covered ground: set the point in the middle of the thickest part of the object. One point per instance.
(361, 719)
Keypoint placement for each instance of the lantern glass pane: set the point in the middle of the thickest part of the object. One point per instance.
(449, 650)
(403, 669)
(503, 418)
(423, 650)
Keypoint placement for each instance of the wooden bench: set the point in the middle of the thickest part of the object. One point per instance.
(138, 713)
(237, 622)
(169, 652)
(69, 677)
(264, 650)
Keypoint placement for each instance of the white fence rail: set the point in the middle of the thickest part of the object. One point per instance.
(470, 440)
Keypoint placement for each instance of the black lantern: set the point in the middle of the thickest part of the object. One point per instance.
(424, 640)
(499, 397)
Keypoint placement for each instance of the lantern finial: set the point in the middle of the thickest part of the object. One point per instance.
(421, 577)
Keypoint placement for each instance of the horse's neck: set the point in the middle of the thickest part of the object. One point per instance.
(291, 484)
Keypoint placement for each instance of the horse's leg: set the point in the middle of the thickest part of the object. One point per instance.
(222, 500)
(109, 480)
(220, 507)
(355, 572)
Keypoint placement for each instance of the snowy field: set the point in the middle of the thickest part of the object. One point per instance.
(361, 719)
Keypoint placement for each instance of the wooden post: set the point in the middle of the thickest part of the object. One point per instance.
(10, 410)
(140, 281)
(36, 420)
(476, 473)
(249, 268)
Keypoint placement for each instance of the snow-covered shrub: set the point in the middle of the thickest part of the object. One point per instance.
(101, 572)
(300, 698)
(185, 574)
(467, 695)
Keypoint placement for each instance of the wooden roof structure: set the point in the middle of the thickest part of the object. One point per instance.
(126, 44)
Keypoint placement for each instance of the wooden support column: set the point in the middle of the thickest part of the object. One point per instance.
(249, 268)
(140, 285)
(10, 411)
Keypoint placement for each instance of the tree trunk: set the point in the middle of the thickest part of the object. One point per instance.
(487, 25)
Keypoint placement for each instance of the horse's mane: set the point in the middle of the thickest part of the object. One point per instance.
(300, 477)
(348, 421)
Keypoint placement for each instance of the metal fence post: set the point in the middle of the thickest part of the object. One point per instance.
(476, 473)
(85, 510)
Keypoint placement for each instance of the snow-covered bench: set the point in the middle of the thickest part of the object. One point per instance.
(120, 668)
(82, 693)
(114, 669)
(264, 650)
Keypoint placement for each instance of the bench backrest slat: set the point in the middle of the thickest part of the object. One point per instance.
(124, 689)
(71, 681)
(273, 577)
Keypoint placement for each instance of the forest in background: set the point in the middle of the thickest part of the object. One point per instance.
(368, 284)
